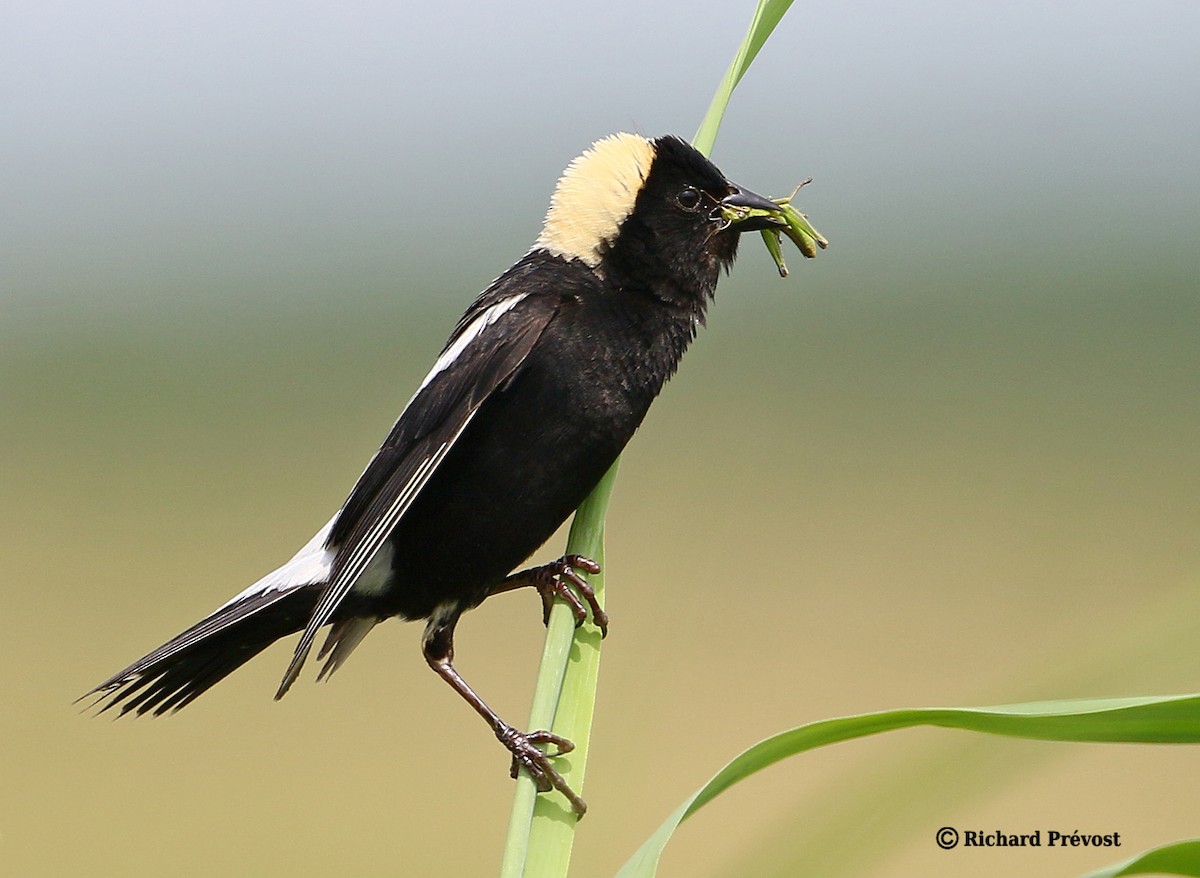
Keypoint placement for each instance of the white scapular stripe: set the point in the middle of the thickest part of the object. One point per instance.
(477, 326)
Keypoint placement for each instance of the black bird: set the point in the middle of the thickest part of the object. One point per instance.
(540, 386)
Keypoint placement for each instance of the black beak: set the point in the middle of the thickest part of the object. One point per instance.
(737, 207)
(740, 197)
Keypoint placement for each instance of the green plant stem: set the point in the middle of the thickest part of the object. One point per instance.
(541, 828)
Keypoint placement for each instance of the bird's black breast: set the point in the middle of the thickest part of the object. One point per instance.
(535, 448)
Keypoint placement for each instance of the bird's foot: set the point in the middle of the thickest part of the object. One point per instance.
(560, 579)
(527, 755)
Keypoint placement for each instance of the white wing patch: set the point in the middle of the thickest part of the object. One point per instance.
(310, 566)
(468, 335)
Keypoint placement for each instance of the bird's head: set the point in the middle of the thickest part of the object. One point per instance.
(652, 213)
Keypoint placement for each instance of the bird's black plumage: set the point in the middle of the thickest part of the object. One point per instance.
(542, 383)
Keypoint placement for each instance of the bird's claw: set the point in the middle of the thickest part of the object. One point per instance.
(559, 578)
(527, 755)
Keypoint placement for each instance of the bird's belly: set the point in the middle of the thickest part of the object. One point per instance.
(510, 481)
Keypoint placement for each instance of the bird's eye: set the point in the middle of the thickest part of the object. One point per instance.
(688, 199)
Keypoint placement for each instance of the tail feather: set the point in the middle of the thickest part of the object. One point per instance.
(176, 673)
(343, 637)
(186, 666)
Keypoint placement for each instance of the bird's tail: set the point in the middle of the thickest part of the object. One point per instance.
(187, 665)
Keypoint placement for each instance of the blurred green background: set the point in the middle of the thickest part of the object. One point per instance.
(952, 461)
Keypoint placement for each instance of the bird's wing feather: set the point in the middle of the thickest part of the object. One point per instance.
(487, 349)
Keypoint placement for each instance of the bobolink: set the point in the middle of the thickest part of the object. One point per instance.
(540, 386)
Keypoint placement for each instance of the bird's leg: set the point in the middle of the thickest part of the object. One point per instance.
(438, 647)
(558, 578)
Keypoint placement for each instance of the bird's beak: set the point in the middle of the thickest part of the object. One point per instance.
(744, 211)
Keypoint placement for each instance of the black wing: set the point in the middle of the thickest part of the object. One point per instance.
(487, 348)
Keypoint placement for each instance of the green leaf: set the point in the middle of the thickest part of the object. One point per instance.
(1164, 720)
(767, 15)
(1180, 858)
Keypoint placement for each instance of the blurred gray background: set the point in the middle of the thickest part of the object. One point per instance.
(954, 460)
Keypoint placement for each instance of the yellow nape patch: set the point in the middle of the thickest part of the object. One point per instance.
(594, 195)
